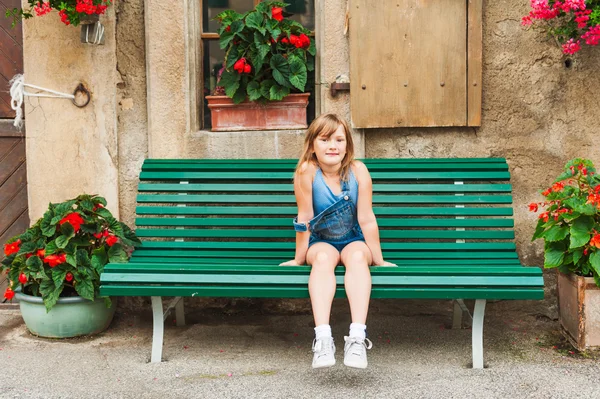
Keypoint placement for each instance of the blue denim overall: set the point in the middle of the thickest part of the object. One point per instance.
(336, 222)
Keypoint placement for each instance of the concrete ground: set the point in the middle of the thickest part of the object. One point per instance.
(242, 352)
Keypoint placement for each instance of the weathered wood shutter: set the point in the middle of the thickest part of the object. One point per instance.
(415, 63)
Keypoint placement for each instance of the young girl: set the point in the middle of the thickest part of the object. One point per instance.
(336, 224)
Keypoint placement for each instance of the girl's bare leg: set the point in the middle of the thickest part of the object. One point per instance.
(356, 257)
(323, 258)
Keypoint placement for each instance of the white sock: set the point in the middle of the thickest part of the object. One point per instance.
(358, 330)
(323, 331)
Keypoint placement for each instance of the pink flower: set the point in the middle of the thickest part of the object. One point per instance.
(42, 8)
(581, 17)
(571, 46)
(592, 36)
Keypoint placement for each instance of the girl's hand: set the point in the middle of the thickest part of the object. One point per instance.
(290, 263)
(384, 263)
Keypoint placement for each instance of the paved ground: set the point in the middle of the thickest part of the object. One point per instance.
(245, 353)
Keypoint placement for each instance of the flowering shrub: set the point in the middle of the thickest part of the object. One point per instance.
(70, 11)
(570, 221)
(266, 55)
(569, 21)
(64, 252)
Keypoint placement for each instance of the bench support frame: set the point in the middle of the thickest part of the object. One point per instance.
(159, 317)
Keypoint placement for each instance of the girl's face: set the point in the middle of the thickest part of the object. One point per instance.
(331, 151)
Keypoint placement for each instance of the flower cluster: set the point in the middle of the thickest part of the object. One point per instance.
(267, 56)
(569, 21)
(570, 221)
(69, 11)
(66, 250)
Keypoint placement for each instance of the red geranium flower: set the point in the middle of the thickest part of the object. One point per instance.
(276, 12)
(12, 248)
(9, 294)
(55, 260)
(74, 219)
(111, 240)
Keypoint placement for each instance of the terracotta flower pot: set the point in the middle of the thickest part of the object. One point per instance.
(289, 113)
(579, 310)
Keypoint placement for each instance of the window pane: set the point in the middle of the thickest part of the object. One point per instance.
(304, 12)
(212, 8)
(213, 61)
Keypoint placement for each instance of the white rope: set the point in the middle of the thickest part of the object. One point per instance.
(99, 29)
(17, 92)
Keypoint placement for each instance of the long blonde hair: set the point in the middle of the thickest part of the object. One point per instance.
(326, 125)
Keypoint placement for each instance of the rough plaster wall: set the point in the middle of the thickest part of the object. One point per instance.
(536, 113)
(132, 116)
(69, 150)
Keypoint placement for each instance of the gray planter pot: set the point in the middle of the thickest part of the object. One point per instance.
(70, 317)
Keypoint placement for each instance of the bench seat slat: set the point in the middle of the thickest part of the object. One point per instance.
(267, 291)
(249, 261)
(373, 167)
(287, 255)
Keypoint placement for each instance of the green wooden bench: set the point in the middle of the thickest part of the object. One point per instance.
(219, 228)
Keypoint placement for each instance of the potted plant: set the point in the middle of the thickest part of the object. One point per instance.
(54, 267)
(570, 228)
(569, 21)
(71, 12)
(264, 74)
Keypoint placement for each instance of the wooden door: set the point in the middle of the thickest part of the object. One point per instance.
(14, 216)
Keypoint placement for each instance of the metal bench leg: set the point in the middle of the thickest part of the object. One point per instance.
(460, 310)
(478, 314)
(179, 314)
(159, 329)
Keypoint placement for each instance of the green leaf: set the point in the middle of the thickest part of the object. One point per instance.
(82, 258)
(556, 233)
(87, 204)
(298, 74)
(130, 235)
(554, 254)
(281, 70)
(583, 224)
(62, 241)
(278, 92)
(539, 230)
(48, 229)
(265, 88)
(50, 293)
(577, 254)
(67, 230)
(586, 209)
(99, 259)
(595, 261)
(51, 248)
(34, 263)
(226, 37)
(115, 226)
(85, 288)
(27, 247)
(105, 213)
(116, 254)
(71, 260)
(253, 90)
(58, 275)
(255, 20)
(239, 96)
(579, 239)
(231, 82)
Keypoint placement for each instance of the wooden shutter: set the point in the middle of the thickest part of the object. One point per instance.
(11, 55)
(415, 63)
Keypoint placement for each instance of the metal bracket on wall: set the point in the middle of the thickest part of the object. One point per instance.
(335, 87)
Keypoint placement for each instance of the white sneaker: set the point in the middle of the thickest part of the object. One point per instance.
(355, 352)
(324, 350)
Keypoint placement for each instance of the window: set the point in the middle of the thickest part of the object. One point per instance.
(212, 58)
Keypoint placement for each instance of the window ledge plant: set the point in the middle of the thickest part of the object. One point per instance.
(570, 221)
(570, 22)
(64, 252)
(71, 12)
(267, 56)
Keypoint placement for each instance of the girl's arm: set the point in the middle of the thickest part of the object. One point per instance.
(366, 216)
(303, 192)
